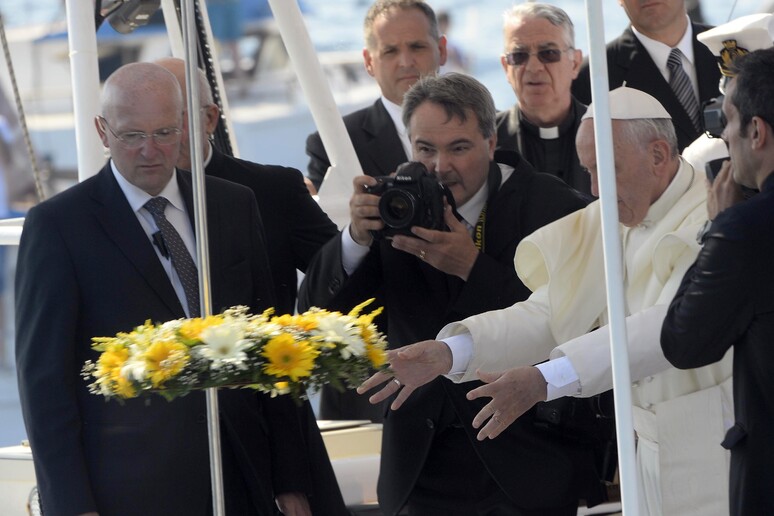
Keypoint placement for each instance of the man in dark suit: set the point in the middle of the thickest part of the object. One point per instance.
(725, 298)
(295, 228)
(431, 460)
(88, 267)
(639, 58)
(540, 63)
(402, 43)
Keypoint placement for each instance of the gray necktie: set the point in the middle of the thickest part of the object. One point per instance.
(681, 85)
(181, 259)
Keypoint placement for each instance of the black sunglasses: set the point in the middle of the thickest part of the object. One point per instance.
(546, 56)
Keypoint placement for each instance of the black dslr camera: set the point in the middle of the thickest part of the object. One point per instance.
(412, 197)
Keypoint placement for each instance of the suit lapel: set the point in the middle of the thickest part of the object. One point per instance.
(384, 149)
(120, 223)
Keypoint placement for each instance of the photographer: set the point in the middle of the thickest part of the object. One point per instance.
(431, 460)
(724, 300)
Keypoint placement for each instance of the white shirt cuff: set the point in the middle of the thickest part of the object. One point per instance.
(461, 347)
(561, 378)
(352, 253)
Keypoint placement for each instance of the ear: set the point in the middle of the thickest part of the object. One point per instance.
(211, 114)
(101, 131)
(442, 52)
(577, 61)
(504, 63)
(760, 132)
(368, 61)
(659, 155)
(492, 143)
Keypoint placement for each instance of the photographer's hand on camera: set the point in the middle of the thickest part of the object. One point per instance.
(452, 252)
(364, 212)
(723, 192)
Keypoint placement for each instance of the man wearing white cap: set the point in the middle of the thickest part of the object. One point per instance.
(678, 415)
(735, 38)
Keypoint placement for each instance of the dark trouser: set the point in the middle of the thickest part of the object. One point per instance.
(454, 481)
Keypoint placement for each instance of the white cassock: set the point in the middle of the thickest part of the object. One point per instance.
(679, 416)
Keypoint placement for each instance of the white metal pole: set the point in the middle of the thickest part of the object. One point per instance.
(190, 45)
(84, 67)
(337, 187)
(611, 239)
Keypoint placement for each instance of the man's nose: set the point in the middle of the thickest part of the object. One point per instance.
(406, 58)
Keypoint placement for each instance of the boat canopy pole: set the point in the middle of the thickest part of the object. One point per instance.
(337, 187)
(84, 69)
(611, 241)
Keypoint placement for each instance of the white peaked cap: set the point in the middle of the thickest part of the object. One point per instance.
(631, 104)
(738, 37)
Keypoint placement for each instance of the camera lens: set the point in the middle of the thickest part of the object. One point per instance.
(397, 208)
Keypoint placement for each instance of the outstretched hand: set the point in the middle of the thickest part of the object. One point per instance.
(513, 392)
(410, 368)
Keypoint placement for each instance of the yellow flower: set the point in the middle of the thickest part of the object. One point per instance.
(376, 354)
(192, 329)
(124, 388)
(164, 360)
(288, 357)
(111, 361)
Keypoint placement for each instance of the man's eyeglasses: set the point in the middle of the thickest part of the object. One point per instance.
(136, 139)
(545, 55)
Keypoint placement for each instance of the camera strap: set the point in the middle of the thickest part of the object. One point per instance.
(478, 231)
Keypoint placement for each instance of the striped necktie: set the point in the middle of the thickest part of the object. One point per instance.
(681, 85)
(181, 258)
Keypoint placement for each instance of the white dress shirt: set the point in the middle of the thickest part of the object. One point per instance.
(175, 213)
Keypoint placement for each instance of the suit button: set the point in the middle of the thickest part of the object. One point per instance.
(201, 418)
(429, 423)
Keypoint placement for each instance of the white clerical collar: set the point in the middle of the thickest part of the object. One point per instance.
(659, 52)
(677, 187)
(396, 114)
(549, 133)
(138, 197)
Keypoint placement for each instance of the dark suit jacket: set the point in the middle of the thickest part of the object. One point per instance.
(374, 137)
(294, 224)
(295, 227)
(420, 300)
(724, 301)
(628, 61)
(87, 268)
(509, 138)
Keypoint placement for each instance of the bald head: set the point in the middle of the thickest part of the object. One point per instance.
(176, 67)
(141, 124)
(135, 84)
(209, 114)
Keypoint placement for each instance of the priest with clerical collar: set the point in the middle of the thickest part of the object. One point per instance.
(540, 63)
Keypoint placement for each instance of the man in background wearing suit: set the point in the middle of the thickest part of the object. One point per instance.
(725, 299)
(295, 228)
(88, 267)
(402, 44)
(431, 461)
(540, 63)
(640, 58)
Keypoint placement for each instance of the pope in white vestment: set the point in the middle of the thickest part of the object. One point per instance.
(680, 417)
